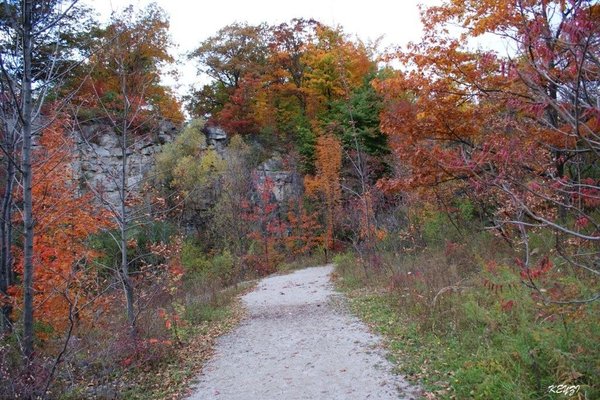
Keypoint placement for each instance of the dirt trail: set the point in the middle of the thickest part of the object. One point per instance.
(298, 342)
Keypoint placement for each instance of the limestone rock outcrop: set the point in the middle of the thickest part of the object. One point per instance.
(99, 158)
(287, 184)
(99, 161)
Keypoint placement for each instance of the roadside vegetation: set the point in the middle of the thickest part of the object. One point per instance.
(457, 318)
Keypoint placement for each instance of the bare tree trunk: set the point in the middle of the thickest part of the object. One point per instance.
(124, 224)
(27, 108)
(6, 272)
(129, 299)
(124, 192)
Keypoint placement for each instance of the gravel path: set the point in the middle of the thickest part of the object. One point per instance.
(298, 342)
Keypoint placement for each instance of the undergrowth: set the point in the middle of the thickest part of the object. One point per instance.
(204, 324)
(176, 330)
(459, 321)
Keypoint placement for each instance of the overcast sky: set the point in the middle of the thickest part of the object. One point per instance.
(192, 21)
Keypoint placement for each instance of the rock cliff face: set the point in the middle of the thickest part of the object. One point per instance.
(216, 137)
(286, 183)
(99, 161)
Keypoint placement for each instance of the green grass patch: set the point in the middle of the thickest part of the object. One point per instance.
(198, 312)
(476, 340)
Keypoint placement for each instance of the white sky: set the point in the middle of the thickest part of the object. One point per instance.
(192, 21)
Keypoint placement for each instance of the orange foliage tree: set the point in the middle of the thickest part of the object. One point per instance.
(326, 183)
(335, 66)
(304, 230)
(124, 91)
(65, 285)
(273, 78)
(519, 132)
(135, 46)
(311, 65)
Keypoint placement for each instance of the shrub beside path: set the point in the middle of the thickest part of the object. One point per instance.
(299, 342)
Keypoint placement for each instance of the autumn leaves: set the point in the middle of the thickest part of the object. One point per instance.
(516, 133)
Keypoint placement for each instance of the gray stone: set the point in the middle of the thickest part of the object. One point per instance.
(109, 141)
(100, 164)
(98, 152)
(99, 157)
(215, 133)
(216, 137)
(286, 183)
(116, 152)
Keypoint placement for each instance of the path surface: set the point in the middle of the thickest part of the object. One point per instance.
(298, 342)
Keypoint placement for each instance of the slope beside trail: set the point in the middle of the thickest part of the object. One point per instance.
(298, 342)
